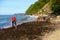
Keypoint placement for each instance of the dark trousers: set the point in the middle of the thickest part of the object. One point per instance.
(13, 23)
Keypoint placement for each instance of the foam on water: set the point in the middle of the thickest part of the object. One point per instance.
(6, 23)
(6, 27)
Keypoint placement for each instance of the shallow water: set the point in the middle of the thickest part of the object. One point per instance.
(5, 20)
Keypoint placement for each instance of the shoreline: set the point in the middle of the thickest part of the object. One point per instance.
(29, 30)
(18, 23)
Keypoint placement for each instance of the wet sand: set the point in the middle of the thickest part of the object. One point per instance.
(27, 31)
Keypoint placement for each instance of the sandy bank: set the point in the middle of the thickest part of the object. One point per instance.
(27, 31)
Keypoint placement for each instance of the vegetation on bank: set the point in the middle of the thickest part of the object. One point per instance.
(56, 7)
(34, 8)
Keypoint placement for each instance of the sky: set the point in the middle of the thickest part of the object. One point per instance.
(8, 7)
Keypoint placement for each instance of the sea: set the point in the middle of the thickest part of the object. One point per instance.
(5, 20)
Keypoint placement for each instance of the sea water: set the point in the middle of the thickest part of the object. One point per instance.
(5, 20)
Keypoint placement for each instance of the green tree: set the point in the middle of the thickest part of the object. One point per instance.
(56, 7)
(34, 8)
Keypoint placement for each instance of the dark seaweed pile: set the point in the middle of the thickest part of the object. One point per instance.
(27, 31)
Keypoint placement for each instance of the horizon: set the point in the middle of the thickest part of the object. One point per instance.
(10, 7)
(12, 14)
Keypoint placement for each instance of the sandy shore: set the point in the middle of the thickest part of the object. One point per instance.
(55, 35)
(27, 31)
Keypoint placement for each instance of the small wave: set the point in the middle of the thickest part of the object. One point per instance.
(5, 27)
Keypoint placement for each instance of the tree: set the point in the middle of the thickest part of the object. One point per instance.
(56, 7)
(34, 8)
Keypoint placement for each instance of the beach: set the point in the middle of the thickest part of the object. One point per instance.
(30, 30)
(29, 19)
(27, 31)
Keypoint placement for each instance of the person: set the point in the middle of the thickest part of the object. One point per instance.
(14, 22)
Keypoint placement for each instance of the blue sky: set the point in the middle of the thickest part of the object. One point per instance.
(8, 7)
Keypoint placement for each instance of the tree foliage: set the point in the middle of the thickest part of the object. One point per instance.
(56, 7)
(36, 6)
